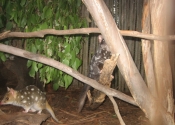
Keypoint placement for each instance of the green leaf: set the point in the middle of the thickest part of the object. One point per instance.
(60, 72)
(15, 17)
(23, 2)
(48, 77)
(39, 45)
(8, 8)
(49, 52)
(67, 48)
(29, 63)
(78, 3)
(47, 68)
(61, 83)
(42, 73)
(43, 26)
(47, 12)
(55, 74)
(2, 56)
(34, 66)
(78, 38)
(66, 62)
(32, 19)
(39, 4)
(23, 21)
(76, 64)
(65, 27)
(18, 21)
(68, 80)
(33, 48)
(32, 72)
(55, 86)
(77, 50)
(40, 65)
(73, 54)
(9, 25)
(68, 56)
(60, 54)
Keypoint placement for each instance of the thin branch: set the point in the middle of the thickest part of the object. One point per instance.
(42, 33)
(68, 70)
(116, 110)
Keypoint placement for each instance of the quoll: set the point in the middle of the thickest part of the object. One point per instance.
(96, 65)
(30, 98)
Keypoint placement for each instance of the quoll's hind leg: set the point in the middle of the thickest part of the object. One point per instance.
(38, 107)
(26, 109)
(39, 112)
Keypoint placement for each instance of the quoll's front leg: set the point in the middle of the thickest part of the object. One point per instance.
(32, 110)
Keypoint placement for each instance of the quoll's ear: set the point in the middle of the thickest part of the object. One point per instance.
(12, 91)
(8, 89)
(100, 38)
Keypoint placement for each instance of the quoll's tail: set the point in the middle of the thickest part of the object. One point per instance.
(83, 95)
(49, 109)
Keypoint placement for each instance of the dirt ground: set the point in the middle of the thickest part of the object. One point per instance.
(64, 104)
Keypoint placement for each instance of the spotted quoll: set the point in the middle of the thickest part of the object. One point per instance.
(96, 65)
(30, 98)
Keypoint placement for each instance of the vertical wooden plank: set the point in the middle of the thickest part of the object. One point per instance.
(83, 53)
(121, 80)
(140, 13)
(128, 40)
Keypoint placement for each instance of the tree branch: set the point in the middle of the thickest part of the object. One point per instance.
(42, 33)
(116, 110)
(68, 70)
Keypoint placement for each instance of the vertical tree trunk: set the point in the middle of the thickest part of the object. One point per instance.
(160, 20)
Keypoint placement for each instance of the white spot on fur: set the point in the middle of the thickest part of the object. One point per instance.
(24, 101)
(36, 98)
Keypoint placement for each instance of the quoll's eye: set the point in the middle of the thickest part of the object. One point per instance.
(7, 98)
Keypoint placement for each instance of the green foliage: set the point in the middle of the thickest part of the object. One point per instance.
(2, 56)
(34, 15)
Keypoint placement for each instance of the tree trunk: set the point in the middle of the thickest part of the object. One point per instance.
(160, 20)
